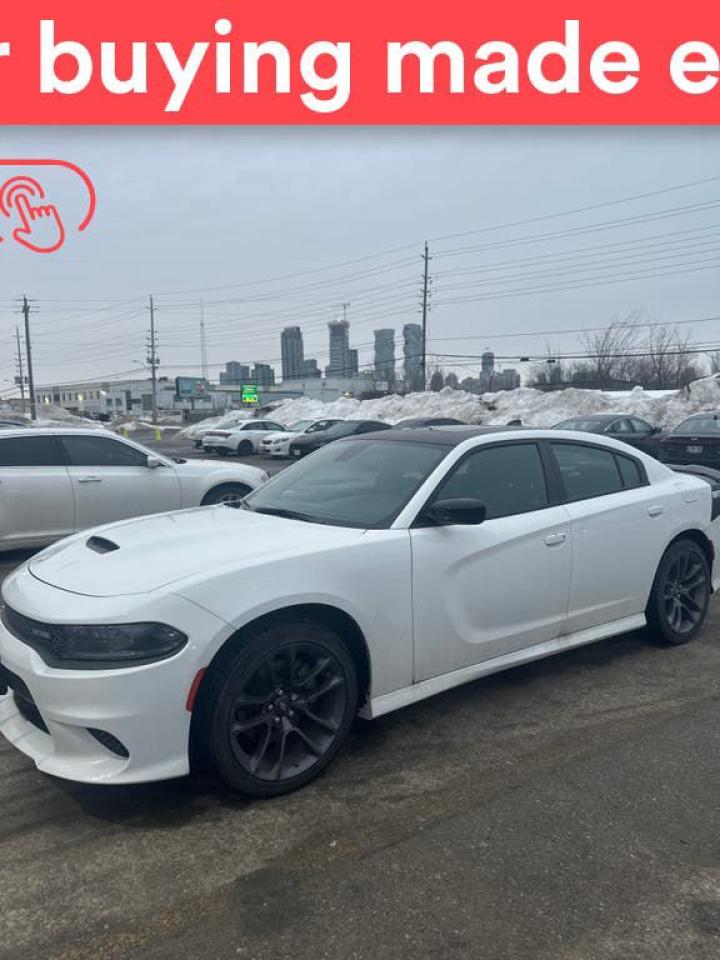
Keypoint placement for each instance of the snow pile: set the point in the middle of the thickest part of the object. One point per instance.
(534, 408)
(52, 416)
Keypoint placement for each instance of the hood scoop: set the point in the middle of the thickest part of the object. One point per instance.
(101, 545)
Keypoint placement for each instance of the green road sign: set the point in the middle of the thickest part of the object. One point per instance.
(249, 395)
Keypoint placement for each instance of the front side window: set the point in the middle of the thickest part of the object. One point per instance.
(621, 426)
(587, 471)
(101, 452)
(360, 483)
(698, 426)
(508, 479)
(27, 452)
(640, 426)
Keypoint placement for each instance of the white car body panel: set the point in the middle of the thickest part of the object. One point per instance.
(432, 615)
(40, 504)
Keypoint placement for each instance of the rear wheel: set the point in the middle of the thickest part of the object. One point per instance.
(244, 448)
(230, 493)
(222, 451)
(680, 594)
(281, 708)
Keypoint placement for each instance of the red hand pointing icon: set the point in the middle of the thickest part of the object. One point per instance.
(41, 229)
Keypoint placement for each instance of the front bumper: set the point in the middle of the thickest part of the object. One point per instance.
(142, 708)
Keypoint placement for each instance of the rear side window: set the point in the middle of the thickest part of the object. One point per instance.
(630, 471)
(101, 452)
(508, 479)
(27, 452)
(587, 471)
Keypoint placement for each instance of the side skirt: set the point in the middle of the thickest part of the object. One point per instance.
(427, 688)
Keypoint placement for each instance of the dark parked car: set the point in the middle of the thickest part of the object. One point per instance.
(347, 428)
(695, 441)
(638, 433)
(428, 422)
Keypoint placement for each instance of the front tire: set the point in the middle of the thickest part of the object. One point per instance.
(245, 448)
(280, 708)
(230, 493)
(680, 594)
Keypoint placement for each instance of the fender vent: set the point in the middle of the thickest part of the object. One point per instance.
(101, 545)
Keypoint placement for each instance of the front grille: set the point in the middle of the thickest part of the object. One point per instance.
(23, 700)
(44, 638)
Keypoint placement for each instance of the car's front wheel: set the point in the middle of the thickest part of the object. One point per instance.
(680, 593)
(230, 493)
(280, 708)
(244, 448)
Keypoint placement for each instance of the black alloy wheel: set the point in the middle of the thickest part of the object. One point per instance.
(679, 600)
(283, 709)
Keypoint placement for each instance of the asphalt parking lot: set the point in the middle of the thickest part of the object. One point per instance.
(566, 810)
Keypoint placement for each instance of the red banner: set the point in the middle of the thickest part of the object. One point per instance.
(368, 63)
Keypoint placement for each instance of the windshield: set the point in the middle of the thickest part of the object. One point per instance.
(299, 425)
(358, 483)
(341, 429)
(697, 426)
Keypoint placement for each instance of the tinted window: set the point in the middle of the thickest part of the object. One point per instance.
(621, 426)
(101, 452)
(587, 471)
(640, 425)
(630, 471)
(699, 426)
(27, 452)
(508, 479)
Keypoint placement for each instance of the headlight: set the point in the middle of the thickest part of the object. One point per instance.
(89, 646)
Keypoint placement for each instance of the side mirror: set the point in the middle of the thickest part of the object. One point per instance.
(153, 463)
(464, 511)
(655, 430)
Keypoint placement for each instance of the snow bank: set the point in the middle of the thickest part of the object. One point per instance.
(664, 408)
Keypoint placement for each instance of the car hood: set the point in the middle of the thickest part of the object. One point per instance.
(226, 472)
(147, 553)
(281, 435)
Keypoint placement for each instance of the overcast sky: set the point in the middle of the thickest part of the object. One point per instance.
(201, 210)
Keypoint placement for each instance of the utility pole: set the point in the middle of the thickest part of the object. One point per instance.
(21, 373)
(152, 360)
(203, 344)
(425, 297)
(28, 357)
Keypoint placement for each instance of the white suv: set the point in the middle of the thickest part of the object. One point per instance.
(243, 439)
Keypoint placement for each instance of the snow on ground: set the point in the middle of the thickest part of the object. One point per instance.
(51, 416)
(664, 408)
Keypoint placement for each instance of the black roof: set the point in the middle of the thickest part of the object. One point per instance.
(598, 417)
(445, 436)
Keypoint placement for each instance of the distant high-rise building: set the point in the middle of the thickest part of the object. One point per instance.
(311, 369)
(352, 363)
(487, 362)
(339, 331)
(385, 355)
(234, 373)
(293, 355)
(263, 375)
(412, 356)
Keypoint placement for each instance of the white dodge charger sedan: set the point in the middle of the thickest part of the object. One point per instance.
(54, 482)
(381, 570)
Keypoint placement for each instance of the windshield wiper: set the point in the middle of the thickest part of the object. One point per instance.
(281, 512)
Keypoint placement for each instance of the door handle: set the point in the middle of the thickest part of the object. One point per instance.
(553, 539)
(655, 511)
(89, 479)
